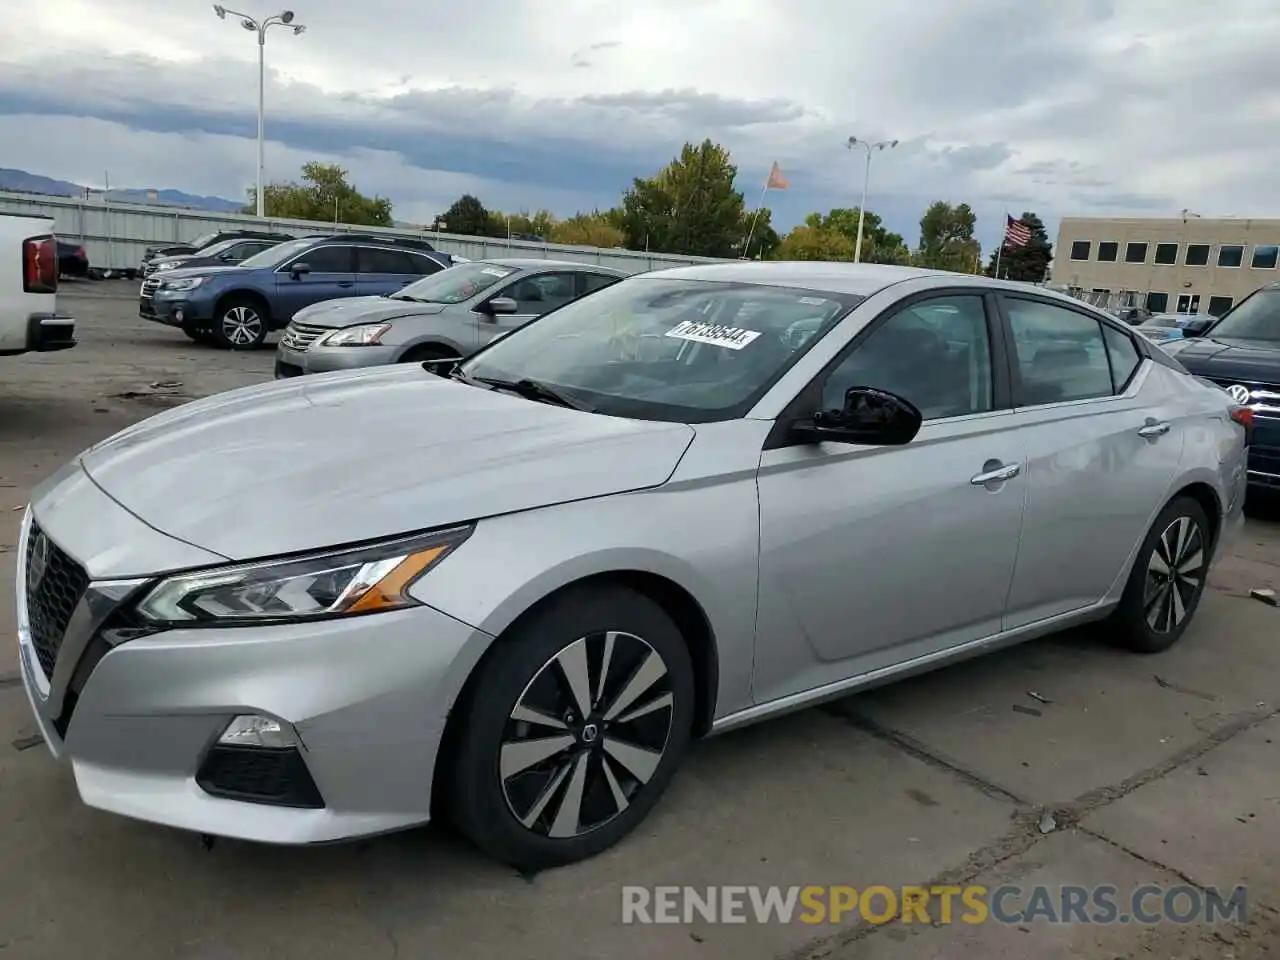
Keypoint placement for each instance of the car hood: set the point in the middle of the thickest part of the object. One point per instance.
(331, 459)
(1230, 359)
(183, 272)
(344, 313)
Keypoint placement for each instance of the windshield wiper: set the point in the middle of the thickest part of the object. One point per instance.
(534, 390)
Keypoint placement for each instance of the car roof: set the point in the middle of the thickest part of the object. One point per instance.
(541, 263)
(860, 279)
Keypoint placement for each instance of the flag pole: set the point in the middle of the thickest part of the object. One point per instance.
(746, 246)
(1004, 235)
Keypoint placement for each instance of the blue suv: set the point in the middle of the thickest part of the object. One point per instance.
(236, 307)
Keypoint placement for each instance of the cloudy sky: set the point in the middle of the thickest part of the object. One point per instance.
(1140, 107)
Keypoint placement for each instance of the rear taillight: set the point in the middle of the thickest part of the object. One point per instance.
(39, 265)
(1244, 417)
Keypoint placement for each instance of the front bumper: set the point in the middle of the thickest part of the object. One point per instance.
(366, 697)
(173, 311)
(1264, 453)
(319, 359)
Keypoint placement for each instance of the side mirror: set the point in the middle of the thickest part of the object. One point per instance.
(870, 416)
(502, 305)
(1198, 327)
(299, 270)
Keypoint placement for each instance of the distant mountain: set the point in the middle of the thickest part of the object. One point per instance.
(19, 181)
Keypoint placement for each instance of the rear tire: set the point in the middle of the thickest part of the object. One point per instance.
(610, 744)
(240, 323)
(1167, 580)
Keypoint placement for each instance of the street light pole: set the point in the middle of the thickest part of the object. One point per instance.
(855, 143)
(260, 27)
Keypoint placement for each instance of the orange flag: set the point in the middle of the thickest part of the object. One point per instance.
(776, 180)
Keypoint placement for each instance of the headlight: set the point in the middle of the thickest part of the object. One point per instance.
(363, 335)
(185, 283)
(165, 266)
(366, 580)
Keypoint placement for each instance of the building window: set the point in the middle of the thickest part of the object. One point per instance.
(1197, 254)
(1230, 255)
(1158, 302)
(1264, 258)
(1080, 249)
(1219, 305)
(1167, 253)
(1107, 251)
(1135, 253)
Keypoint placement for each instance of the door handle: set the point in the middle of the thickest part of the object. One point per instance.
(346, 283)
(1153, 429)
(405, 283)
(998, 475)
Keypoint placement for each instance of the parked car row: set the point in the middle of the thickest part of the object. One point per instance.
(509, 590)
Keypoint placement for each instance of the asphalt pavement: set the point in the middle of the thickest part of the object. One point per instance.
(1061, 762)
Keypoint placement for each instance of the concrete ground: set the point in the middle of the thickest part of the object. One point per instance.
(1160, 770)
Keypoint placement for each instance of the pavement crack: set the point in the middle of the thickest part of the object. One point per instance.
(922, 752)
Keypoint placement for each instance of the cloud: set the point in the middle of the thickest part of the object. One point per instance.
(1064, 109)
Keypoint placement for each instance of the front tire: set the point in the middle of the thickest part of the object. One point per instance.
(241, 324)
(1167, 580)
(575, 726)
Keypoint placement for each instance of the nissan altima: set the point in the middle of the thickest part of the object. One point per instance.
(510, 590)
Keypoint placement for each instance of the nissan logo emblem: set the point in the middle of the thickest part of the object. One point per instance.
(1239, 392)
(37, 560)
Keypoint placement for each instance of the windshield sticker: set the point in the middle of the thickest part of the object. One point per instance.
(494, 272)
(732, 338)
(812, 301)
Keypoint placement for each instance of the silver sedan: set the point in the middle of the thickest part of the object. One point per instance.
(452, 313)
(512, 593)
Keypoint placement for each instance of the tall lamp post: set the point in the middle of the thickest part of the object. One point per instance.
(870, 148)
(260, 27)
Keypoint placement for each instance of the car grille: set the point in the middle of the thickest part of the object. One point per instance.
(149, 287)
(55, 584)
(300, 336)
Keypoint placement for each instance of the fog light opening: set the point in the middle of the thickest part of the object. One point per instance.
(254, 730)
(177, 315)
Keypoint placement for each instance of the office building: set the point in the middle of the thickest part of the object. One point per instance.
(1176, 264)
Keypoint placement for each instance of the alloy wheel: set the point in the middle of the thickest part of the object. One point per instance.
(586, 734)
(1174, 574)
(242, 326)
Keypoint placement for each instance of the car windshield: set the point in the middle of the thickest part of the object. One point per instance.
(1166, 321)
(457, 283)
(1256, 317)
(273, 256)
(202, 240)
(690, 351)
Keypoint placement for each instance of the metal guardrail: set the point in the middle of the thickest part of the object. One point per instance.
(116, 234)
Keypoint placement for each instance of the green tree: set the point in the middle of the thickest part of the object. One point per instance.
(323, 195)
(587, 230)
(689, 207)
(878, 244)
(539, 224)
(758, 224)
(1029, 263)
(469, 218)
(946, 238)
(811, 241)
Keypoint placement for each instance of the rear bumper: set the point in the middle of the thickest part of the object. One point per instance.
(47, 332)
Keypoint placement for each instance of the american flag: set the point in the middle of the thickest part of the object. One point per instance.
(1016, 233)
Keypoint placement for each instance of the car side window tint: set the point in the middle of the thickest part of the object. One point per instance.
(370, 260)
(424, 266)
(1124, 356)
(327, 259)
(596, 281)
(935, 353)
(540, 294)
(1061, 353)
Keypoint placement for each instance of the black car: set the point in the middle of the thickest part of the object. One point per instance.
(207, 240)
(1240, 351)
(73, 261)
(222, 254)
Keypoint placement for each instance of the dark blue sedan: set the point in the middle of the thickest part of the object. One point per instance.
(1241, 353)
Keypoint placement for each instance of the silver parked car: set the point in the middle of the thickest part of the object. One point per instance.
(512, 593)
(448, 314)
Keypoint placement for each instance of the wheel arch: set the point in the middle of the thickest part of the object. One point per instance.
(417, 348)
(673, 598)
(257, 297)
